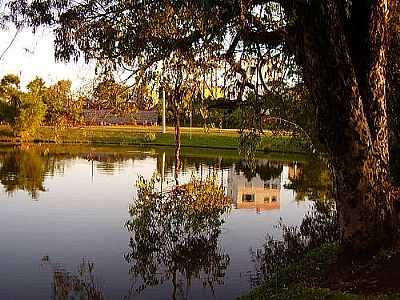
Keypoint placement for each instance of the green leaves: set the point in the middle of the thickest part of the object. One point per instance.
(23, 111)
(30, 114)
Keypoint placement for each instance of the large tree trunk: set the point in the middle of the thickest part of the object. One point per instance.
(346, 76)
(364, 202)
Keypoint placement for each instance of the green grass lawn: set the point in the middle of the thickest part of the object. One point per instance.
(135, 135)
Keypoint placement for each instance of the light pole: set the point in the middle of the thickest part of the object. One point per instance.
(164, 129)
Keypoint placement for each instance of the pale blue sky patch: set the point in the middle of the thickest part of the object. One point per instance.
(32, 55)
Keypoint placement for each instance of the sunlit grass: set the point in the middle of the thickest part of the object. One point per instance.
(134, 135)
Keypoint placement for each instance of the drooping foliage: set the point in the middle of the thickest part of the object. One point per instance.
(221, 40)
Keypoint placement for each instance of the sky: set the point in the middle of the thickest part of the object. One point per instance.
(32, 55)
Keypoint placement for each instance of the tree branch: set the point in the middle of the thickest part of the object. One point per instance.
(270, 38)
(10, 44)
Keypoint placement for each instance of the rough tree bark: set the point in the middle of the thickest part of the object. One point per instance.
(346, 72)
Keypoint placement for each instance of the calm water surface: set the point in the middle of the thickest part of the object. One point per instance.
(63, 214)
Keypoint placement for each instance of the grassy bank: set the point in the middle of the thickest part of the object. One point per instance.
(139, 135)
(321, 275)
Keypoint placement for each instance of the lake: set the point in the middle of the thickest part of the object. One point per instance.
(64, 210)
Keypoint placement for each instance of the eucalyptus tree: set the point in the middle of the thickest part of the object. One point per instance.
(179, 76)
(111, 95)
(339, 47)
(394, 82)
(62, 106)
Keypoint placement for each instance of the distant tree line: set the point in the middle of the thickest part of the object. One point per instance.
(59, 105)
(26, 110)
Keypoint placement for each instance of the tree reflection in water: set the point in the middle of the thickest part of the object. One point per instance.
(266, 171)
(66, 285)
(26, 167)
(175, 236)
(313, 181)
(22, 170)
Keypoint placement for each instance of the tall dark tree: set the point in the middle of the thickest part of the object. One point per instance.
(340, 47)
(394, 80)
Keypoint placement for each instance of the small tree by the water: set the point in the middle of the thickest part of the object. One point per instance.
(23, 111)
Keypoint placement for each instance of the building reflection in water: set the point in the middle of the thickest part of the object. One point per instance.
(259, 189)
(263, 190)
(256, 193)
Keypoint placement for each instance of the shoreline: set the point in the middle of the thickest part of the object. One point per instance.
(227, 139)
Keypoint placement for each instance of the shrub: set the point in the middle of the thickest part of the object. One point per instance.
(30, 116)
(149, 137)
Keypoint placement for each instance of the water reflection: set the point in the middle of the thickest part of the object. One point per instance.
(257, 189)
(176, 249)
(311, 182)
(80, 285)
(23, 170)
(175, 236)
(26, 168)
